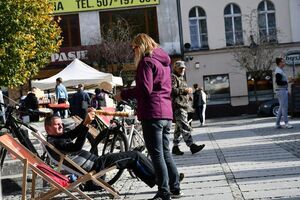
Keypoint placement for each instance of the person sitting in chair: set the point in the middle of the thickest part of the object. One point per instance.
(64, 141)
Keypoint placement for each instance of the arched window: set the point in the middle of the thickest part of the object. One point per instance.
(233, 25)
(267, 21)
(198, 28)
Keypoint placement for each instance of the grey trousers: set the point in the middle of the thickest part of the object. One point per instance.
(282, 96)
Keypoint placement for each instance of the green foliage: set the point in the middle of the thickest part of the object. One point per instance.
(28, 37)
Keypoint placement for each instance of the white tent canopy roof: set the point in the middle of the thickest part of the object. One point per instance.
(77, 72)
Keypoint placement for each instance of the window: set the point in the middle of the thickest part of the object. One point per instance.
(233, 25)
(217, 88)
(264, 86)
(266, 21)
(69, 25)
(140, 20)
(198, 28)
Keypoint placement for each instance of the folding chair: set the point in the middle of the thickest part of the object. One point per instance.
(33, 162)
(78, 170)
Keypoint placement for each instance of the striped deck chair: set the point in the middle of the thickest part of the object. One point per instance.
(39, 168)
(76, 169)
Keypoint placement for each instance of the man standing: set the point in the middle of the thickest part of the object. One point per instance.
(199, 103)
(61, 96)
(80, 102)
(180, 101)
(282, 94)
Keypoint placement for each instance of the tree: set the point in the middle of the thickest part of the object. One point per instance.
(257, 58)
(28, 37)
(115, 46)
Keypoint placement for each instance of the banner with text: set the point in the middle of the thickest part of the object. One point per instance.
(65, 6)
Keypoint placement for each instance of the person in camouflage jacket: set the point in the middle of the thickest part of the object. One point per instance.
(180, 102)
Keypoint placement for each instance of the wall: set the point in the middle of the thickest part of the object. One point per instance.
(215, 19)
(167, 27)
(295, 22)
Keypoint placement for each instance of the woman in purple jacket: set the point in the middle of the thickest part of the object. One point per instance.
(153, 94)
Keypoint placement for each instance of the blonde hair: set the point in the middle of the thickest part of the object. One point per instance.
(145, 46)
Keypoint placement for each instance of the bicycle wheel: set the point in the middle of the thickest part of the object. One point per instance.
(98, 142)
(137, 142)
(111, 141)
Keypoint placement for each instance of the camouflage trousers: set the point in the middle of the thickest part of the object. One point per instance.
(182, 128)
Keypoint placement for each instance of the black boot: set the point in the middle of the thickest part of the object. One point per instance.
(196, 148)
(177, 151)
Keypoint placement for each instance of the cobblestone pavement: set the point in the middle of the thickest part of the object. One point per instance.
(245, 158)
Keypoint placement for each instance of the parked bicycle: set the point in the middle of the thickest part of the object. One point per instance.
(15, 126)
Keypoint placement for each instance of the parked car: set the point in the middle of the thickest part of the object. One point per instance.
(270, 107)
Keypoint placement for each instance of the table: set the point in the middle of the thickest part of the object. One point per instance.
(59, 107)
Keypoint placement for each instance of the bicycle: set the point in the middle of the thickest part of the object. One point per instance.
(16, 127)
(110, 140)
(132, 127)
(122, 134)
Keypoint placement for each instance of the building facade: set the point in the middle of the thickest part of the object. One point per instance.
(202, 32)
(211, 30)
(82, 21)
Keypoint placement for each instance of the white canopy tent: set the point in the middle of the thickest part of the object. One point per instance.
(78, 72)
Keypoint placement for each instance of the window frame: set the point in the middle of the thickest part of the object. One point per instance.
(111, 15)
(73, 40)
(262, 94)
(233, 31)
(265, 14)
(201, 44)
(213, 97)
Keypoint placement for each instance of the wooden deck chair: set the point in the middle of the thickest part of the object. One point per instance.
(79, 171)
(92, 129)
(34, 163)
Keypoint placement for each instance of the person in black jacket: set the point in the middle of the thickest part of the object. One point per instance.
(80, 102)
(64, 141)
(198, 102)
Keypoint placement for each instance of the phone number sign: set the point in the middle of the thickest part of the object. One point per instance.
(64, 6)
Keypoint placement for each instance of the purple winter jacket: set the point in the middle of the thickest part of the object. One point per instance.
(153, 87)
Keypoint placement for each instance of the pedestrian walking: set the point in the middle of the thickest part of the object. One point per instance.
(154, 110)
(199, 103)
(180, 100)
(282, 94)
(61, 96)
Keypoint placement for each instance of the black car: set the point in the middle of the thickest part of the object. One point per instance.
(268, 108)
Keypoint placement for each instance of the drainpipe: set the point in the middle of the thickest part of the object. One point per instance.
(180, 29)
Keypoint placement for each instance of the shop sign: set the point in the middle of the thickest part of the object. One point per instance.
(69, 55)
(64, 6)
(292, 57)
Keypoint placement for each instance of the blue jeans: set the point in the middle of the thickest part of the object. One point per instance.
(156, 135)
(282, 96)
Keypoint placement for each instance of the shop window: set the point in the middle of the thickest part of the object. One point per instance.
(233, 25)
(264, 88)
(198, 28)
(267, 21)
(217, 88)
(140, 20)
(69, 25)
